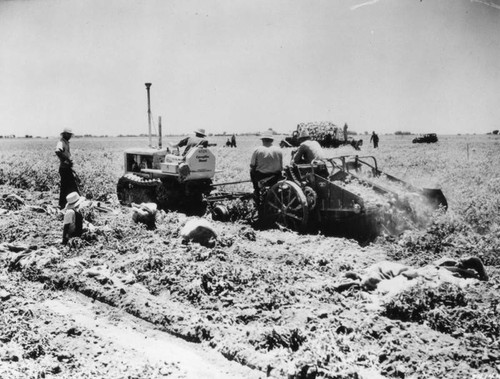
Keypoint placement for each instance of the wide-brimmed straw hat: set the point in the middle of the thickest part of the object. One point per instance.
(67, 131)
(73, 200)
(200, 131)
(267, 135)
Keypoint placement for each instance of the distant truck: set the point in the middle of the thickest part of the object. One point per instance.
(326, 133)
(426, 138)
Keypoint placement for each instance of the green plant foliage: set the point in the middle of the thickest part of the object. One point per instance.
(446, 308)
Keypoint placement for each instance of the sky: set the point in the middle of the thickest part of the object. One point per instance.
(245, 66)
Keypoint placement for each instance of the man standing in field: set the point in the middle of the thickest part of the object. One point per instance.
(189, 142)
(68, 181)
(374, 138)
(345, 132)
(266, 163)
(308, 150)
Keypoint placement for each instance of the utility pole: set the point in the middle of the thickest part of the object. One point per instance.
(159, 133)
(148, 85)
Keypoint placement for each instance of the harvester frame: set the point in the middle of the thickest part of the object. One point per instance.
(310, 198)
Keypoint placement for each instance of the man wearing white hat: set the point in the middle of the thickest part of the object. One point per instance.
(266, 163)
(73, 219)
(68, 182)
(197, 140)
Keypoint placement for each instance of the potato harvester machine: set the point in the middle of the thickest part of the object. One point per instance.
(346, 196)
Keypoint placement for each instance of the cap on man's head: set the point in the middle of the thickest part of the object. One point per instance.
(200, 131)
(267, 136)
(67, 131)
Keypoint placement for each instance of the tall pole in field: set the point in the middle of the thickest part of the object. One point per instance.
(159, 133)
(148, 85)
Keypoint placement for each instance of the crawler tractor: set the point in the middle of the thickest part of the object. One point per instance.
(171, 180)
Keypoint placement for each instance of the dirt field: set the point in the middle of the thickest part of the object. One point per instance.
(259, 303)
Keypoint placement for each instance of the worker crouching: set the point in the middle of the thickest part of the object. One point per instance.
(73, 219)
(145, 213)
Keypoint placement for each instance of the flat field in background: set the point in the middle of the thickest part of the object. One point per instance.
(465, 167)
(267, 298)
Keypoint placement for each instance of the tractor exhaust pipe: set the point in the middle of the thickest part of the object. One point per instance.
(148, 85)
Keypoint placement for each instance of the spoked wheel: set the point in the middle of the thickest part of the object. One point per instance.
(286, 205)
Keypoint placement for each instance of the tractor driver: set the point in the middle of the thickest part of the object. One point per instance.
(266, 163)
(197, 140)
(308, 150)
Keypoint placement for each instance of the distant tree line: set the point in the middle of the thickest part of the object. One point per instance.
(25, 136)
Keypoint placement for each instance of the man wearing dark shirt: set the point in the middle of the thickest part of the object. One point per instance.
(374, 139)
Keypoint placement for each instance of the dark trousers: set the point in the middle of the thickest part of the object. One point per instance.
(68, 185)
(260, 179)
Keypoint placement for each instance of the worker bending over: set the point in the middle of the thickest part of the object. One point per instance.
(308, 150)
(266, 163)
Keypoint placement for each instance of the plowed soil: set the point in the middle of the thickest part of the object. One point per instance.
(266, 300)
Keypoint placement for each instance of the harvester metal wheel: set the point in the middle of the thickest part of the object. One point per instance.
(286, 205)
